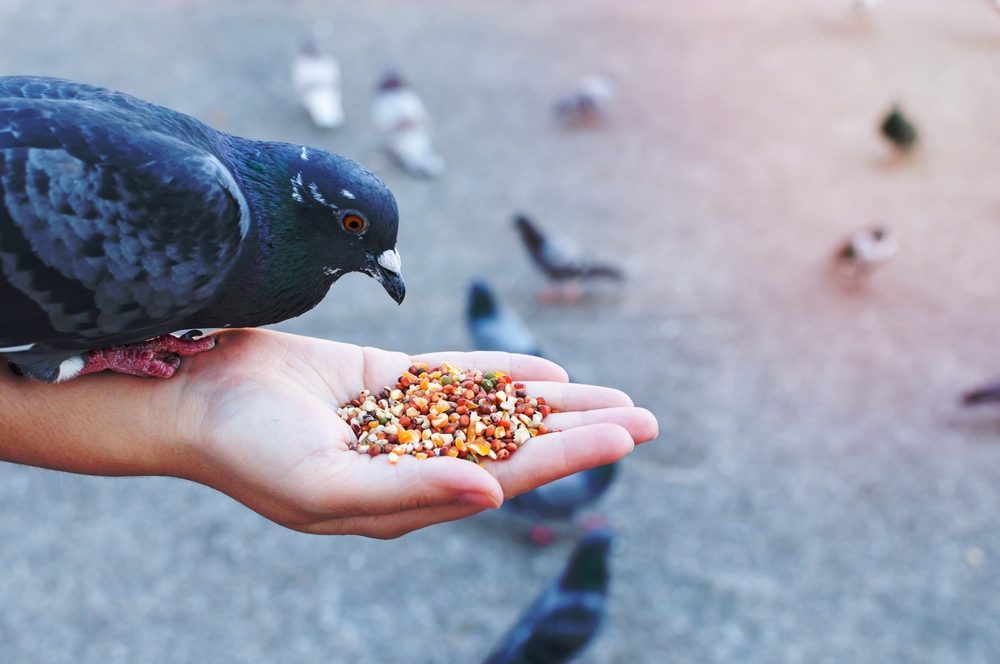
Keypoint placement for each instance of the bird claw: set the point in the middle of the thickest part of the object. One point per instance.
(541, 535)
(156, 358)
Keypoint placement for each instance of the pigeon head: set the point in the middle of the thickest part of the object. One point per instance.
(349, 214)
(529, 232)
(391, 80)
(482, 303)
(587, 568)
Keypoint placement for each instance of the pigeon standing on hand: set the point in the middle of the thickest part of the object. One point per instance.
(566, 617)
(866, 250)
(122, 221)
(565, 267)
(898, 130)
(495, 328)
(404, 125)
(589, 103)
(316, 77)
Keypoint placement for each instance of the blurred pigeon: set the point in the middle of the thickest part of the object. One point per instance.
(589, 103)
(562, 500)
(122, 221)
(986, 394)
(866, 250)
(494, 328)
(405, 127)
(898, 130)
(316, 77)
(564, 265)
(566, 617)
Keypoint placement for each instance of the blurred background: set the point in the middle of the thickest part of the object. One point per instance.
(817, 493)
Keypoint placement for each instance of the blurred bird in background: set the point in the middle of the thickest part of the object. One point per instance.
(493, 327)
(898, 130)
(565, 266)
(865, 250)
(562, 500)
(404, 126)
(986, 394)
(589, 104)
(316, 77)
(566, 617)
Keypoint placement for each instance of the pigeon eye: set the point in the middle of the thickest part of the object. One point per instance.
(353, 223)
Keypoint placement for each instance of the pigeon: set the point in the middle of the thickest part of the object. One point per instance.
(566, 617)
(866, 250)
(316, 77)
(898, 130)
(588, 104)
(122, 221)
(564, 265)
(495, 328)
(561, 500)
(404, 125)
(986, 394)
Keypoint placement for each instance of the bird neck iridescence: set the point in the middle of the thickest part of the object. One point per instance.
(280, 271)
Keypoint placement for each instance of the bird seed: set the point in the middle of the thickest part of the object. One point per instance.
(446, 411)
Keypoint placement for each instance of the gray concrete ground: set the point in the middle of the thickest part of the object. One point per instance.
(816, 495)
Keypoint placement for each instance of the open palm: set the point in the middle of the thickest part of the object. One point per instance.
(260, 412)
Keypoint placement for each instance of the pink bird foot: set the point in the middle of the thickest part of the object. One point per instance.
(157, 358)
(541, 535)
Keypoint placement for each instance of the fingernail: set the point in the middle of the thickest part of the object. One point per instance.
(478, 499)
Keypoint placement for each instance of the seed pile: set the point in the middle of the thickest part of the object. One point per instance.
(446, 411)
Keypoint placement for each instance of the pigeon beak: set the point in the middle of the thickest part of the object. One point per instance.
(386, 272)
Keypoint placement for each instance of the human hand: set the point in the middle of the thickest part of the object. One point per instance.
(258, 417)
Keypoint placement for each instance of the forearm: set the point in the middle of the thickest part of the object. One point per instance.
(100, 425)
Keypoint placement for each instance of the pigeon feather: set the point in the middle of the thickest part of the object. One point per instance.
(121, 220)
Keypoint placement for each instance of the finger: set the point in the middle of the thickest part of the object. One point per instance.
(574, 396)
(549, 457)
(390, 526)
(639, 422)
(374, 486)
(521, 367)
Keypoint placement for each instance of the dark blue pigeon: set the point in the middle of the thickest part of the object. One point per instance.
(122, 221)
(493, 327)
(985, 394)
(562, 500)
(568, 614)
(564, 265)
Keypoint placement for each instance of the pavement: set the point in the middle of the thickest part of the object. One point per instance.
(816, 495)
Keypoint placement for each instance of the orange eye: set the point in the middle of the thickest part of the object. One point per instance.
(353, 223)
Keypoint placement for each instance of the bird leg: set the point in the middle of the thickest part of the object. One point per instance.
(157, 358)
(541, 535)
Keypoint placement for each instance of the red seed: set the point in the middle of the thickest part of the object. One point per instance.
(374, 450)
(502, 454)
(544, 410)
(511, 447)
(463, 421)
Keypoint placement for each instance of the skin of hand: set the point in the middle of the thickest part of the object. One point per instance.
(255, 418)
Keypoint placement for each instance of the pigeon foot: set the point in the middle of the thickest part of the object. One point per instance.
(541, 535)
(156, 358)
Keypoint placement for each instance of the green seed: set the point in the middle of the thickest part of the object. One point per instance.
(487, 384)
(446, 380)
(490, 376)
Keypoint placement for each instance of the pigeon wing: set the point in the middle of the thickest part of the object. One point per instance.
(109, 232)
